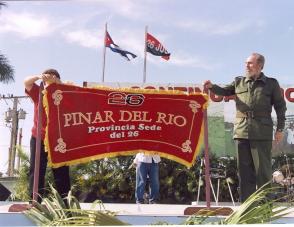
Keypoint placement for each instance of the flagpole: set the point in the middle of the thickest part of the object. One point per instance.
(145, 55)
(104, 54)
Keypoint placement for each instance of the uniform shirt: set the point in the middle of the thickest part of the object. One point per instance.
(34, 95)
(141, 157)
(258, 96)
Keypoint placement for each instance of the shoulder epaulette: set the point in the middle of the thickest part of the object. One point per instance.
(271, 78)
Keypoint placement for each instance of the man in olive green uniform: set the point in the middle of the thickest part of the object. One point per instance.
(255, 94)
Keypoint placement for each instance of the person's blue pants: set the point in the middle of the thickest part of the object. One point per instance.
(142, 171)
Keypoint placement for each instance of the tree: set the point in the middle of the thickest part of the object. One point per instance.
(6, 70)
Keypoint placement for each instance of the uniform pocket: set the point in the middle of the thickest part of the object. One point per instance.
(263, 97)
(262, 128)
(240, 90)
(241, 97)
(241, 128)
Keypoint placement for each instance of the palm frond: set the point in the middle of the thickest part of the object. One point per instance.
(55, 211)
(22, 154)
(2, 4)
(20, 192)
(201, 217)
(6, 70)
(258, 208)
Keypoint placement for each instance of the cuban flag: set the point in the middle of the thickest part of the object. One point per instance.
(156, 48)
(115, 48)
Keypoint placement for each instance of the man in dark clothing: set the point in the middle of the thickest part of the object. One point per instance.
(61, 174)
(255, 95)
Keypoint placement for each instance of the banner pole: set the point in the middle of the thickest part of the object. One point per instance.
(38, 146)
(22, 207)
(145, 55)
(206, 158)
(224, 211)
(104, 54)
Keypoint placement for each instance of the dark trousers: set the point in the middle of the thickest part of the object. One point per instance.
(61, 174)
(254, 161)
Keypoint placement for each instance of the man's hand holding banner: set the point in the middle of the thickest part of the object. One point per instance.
(86, 124)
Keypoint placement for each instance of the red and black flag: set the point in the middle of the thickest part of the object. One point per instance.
(155, 47)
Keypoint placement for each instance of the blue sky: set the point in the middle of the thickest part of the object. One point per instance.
(207, 40)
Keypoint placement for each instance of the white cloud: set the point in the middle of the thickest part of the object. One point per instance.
(217, 28)
(85, 38)
(134, 41)
(128, 40)
(34, 25)
(131, 40)
(127, 8)
(26, 24)
(228, 29)
(184, 60)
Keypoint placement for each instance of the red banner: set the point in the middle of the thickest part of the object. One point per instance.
(86, 124)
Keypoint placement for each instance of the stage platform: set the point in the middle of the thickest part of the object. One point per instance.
(134, 214)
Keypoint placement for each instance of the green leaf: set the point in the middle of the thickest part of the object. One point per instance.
(55, 213)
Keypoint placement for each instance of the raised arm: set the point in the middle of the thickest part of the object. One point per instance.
(224, 91)
(29, 81)
(47, 79)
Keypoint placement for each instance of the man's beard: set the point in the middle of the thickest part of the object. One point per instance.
(251, 75)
